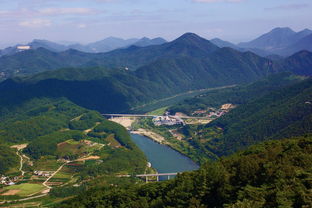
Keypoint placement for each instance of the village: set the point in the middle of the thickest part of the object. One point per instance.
(210, 113)
(5, 180)
(213, 113)
(167, 120)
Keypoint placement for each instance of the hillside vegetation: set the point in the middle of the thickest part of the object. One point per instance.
(283, 113)
(273, 174)
(237, 95)
(58, 129)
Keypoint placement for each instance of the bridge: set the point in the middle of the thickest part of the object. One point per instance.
(151, 116)
(146, 176)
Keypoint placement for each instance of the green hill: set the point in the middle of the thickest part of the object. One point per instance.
(283, 113)
(56, 129)
(237, 95)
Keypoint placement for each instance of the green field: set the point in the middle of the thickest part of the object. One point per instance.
(26, 189)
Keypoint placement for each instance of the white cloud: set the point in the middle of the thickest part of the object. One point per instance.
(81, 26)
(289, 7)
(68, 11)
(35, 23)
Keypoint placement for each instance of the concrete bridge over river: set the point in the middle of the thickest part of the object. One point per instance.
(146, 176)
(150, 116)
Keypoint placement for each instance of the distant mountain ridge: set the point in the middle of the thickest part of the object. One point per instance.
(280, 41)
(105, 45)
(200, 53)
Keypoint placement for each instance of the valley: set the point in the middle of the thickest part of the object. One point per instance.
(83, 129)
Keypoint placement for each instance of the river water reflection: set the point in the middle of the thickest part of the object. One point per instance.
(163, 158)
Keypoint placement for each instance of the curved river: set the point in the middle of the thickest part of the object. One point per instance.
(163, 158)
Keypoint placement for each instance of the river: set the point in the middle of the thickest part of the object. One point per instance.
(163, 158)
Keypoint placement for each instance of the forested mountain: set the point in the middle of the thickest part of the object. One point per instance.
(276, 38)
(237, 95)
(187, 63)
(39, 60)
(280, 114)
(8, 159)
(143, 42)
(299, 63)
(105, 45)
(303, 44)
(273, 174)
(34, 61)
(222, 67)
(197, 51)
(221, 43)
(95, 88)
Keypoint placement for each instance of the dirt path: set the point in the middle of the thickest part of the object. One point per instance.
(91, 129)
(60, 168)
(25, 199)
(19, 148)
(21, 162)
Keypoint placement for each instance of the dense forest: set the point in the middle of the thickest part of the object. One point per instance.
(272, 174)
(8, 159)
(279, 114)
(237, 95)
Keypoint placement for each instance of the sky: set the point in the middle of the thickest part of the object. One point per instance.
(87, 21)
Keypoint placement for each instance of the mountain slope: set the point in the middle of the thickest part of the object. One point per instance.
(41, 59)
(299, 63)
(221, 43)
(143, 42)
(109, 44)
(281, 41)
(223, 67)
(51, 46)
(303, 44)
(237, 95)
(134, 57)
(276, 38)
(94, 88)
(283, 113)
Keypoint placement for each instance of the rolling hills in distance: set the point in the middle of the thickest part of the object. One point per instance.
(279, 41)
(105, 45)
(52, 101)
(187, 63)
(143, 51)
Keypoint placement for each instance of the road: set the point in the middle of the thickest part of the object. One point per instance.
(60, 168)
(144, 115)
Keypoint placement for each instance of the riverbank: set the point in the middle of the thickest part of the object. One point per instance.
(124, 121)
(127, 123)
(150, 134)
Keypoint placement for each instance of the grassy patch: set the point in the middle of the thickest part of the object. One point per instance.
(26, 189)
(47, 163)
(112, 141)
(159, 111)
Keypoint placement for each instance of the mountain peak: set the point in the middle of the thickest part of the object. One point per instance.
(188, 36)
(283, 29)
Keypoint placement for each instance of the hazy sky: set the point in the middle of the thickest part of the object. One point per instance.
(91, 20)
